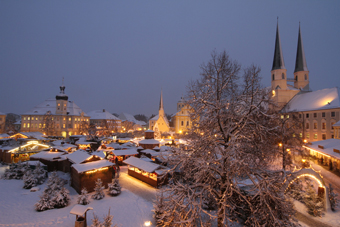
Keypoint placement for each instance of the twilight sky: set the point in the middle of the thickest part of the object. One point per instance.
(117, 55)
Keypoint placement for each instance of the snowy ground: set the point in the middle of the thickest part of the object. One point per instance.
(17, 207)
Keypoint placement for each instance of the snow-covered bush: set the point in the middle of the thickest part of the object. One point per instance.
(55, 195)
(114, 188)
(83, 198)
(333, 198)
(314, 204)
(35, 177)
(95, 221)
(15, 171)
(98, 190)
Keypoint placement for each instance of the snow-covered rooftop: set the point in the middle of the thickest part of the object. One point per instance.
(35, 135)
(113, 145)
(47, 155)
(125, 152)
(129, 117)
(92, 165)
(149, 141)
(51, 104)
(101, 115)
(337, 124)
(316, 100)
(4, 135)
(78, 156)
(328, 147)
(80, 210)
(141, 164)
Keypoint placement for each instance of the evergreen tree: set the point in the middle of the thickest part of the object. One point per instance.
(29, 180)
(107, 220)
(296, 191)
(95, 221)
(114, 188)
(83, 198)
(333, 198)
(62, 198)
(40, 174)
(313, 202)
(98, 190)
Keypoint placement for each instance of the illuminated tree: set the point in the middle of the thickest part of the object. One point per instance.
(49, 124)
(228, 156)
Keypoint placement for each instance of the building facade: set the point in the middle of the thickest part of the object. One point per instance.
(56, 117)
(181, 121)
(317, 110)
(160, 122)
(2, 122)
(105, 122)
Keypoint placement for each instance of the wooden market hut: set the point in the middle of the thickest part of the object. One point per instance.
(148, 172)
(86, 174)
(121, 155)
(54, 160)
(149, 142)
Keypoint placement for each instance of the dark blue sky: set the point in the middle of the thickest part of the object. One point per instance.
(117, 55)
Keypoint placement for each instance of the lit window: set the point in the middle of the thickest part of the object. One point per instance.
(24, 125)
(315, 136)
(24, 118)
(300, 135)
(64, 118)
(63, 125)
(39, 125)
(28, 118)
(69, 119)
(307, 135)
(28, 125)
(323, 125)
(282, 116)
(36, 118)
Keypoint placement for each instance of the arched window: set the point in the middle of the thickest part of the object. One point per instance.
(305, 76)
(273, 77)
(182, 123)
(307, 125)
(187, 123)
(283, 76)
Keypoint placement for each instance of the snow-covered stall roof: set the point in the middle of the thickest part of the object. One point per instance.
(51, 104)
(102, 115)
(316, 100)
(141, 164)
(47, 155)
(92, 165)
(4, 135)
(113, 145)
(99, 153)
(125, 152)
(78, 156)
(34, 163)
(82, 140)
(35, 135)
(328, 147)
(149, 141)
(64, 146)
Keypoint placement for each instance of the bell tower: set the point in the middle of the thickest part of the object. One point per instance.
(279, 71)
(61, 99)
(301, 73)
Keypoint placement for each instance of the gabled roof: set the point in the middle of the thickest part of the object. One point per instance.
(51, 104)
(35, 135)
(129, 117)
(141, 164)
(278, 62)
(92, 165)
(328, 147)
(47, 155)
(300, 63)
(101, 115)
(78, 156)
(125, 152)
(315, 100)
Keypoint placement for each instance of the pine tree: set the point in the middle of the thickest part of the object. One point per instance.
(107, 220)
(98, 190)
(29, 180)
(83, 197)
(295, 190)
(62, 198)
(95, 221)
(40, 174)
(45, 203)
(333, 198)
(313, 202)
(114, 188)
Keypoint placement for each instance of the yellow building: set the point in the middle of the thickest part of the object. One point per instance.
(56, 117)
(160, 122)
(2, 122)
(181, 120)
(318, 110)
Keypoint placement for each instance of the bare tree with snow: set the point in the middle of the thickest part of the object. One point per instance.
(225, 167)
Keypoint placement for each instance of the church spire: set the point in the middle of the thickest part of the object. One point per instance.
(300, 63)
(161, 101)
(278, 62)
